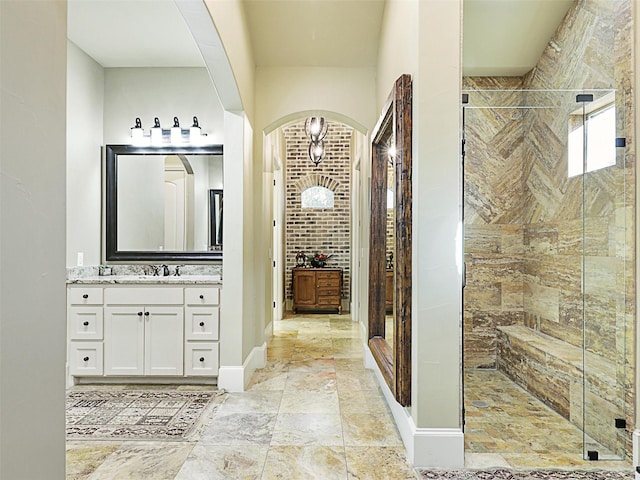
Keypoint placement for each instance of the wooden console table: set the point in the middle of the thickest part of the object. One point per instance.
(317, 289)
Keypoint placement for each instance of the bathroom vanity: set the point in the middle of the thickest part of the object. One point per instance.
(143, 328)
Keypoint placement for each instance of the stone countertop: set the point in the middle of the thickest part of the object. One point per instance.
(146, 280)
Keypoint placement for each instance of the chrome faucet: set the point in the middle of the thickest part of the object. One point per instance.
(165, 271)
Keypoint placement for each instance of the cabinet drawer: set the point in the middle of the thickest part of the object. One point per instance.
(327, 281)
(328, 292)
(85, 358)
(329, 300)
(201, 323)
(143, 296)
(201, 358)
(85, 296)
(85, 323)
(201, 296)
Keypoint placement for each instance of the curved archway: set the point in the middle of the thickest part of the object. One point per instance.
(334, 116)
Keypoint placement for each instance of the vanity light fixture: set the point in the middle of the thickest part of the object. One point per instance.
(175, 136)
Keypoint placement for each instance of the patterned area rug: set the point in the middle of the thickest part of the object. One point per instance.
(522, 475)
(138, 414)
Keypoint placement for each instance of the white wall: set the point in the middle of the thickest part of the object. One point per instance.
(160, 92)
(423, 38)
(32, 239)
(349, 92)
(85, 101)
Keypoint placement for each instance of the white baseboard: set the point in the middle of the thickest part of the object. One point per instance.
(426, 447)
(268, 332)
(235, 379)
(636, 449)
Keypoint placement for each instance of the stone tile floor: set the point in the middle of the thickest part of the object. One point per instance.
(515, 430)
(314, 412)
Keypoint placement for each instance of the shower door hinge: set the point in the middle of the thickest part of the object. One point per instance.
(584, 97)
(621, 142)
(592, 455)
(621, 423)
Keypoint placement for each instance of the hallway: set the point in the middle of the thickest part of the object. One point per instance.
(314, 411)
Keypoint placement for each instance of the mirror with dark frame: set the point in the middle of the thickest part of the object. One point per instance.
(163, 203)
(390, 251)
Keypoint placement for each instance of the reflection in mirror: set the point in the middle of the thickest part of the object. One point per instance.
(390, 250)
(215, 221)
(158, 203)
(390, 242)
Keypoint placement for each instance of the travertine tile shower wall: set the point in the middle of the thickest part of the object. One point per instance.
(524, 226)
(494, 250)
(323, 230)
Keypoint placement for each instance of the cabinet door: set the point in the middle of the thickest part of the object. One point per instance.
(163, 354)
(124, 341)
(304, 288)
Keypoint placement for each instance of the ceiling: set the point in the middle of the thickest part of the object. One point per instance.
(501, 37)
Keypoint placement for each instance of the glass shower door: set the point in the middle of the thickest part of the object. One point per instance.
(599, 139)
(548, 233)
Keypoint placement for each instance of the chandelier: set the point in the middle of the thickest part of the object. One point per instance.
(316, 129)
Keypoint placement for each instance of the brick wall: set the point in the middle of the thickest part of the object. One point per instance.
(325, 230)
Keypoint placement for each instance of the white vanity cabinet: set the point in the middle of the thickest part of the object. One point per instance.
(143, 330)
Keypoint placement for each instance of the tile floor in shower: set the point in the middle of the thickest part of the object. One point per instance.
(508, 427)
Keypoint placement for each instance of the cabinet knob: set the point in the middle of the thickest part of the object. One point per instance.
(86, 324)
(202, 324)
(201, 297)
(202, 359)
(146, 314)
(86, 359)
(85, 296)
(139, 314)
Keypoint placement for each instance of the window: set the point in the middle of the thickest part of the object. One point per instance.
(600, 127)
(317, 197)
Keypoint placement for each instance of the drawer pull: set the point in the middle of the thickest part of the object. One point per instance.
(86, 359)
(201, 297)
(85, 296)
(86, 324)
(202, 359)
(202, 324)
(139, 314)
